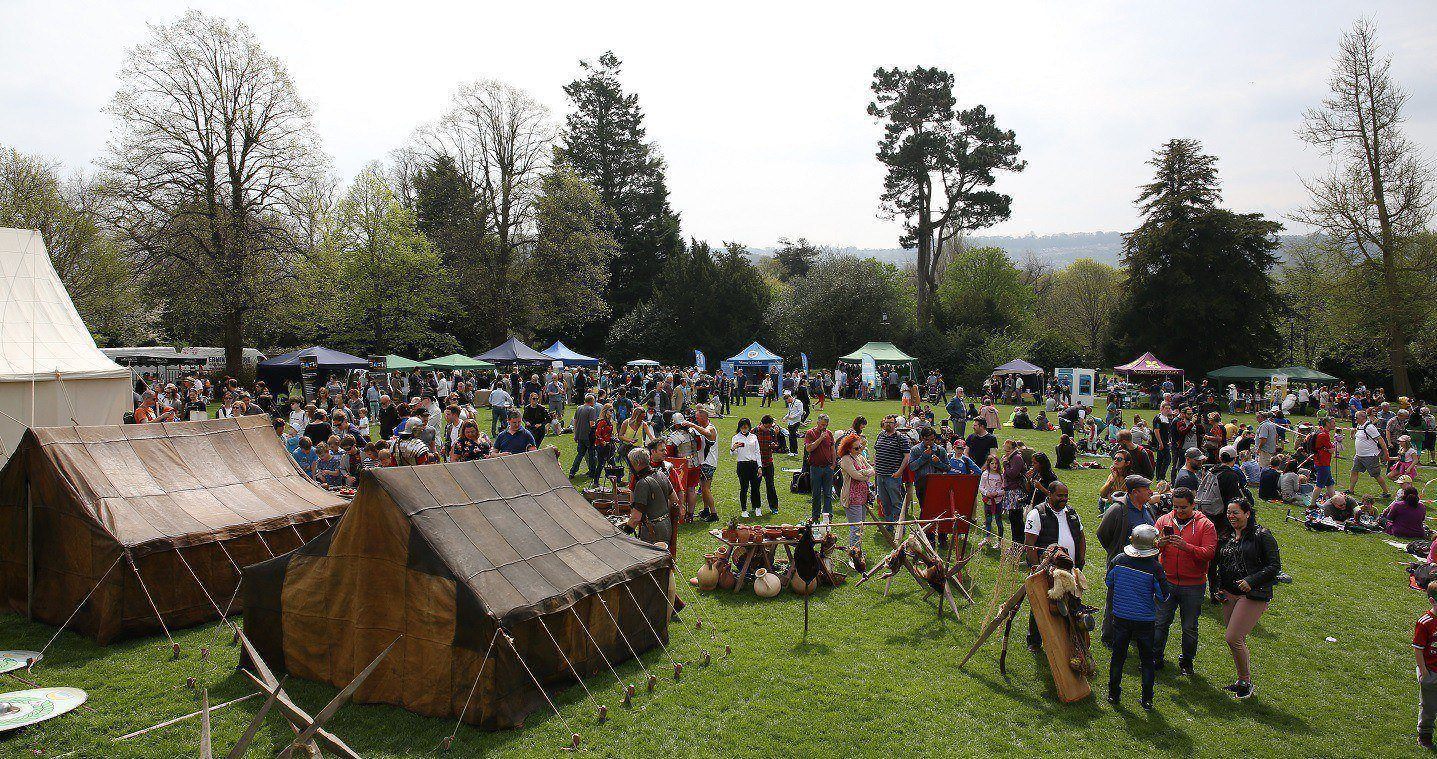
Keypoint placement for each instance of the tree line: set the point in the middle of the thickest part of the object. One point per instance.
(214, 217)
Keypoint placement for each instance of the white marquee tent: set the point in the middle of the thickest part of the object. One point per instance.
(51, 373)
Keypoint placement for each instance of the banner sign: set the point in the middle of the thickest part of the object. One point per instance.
(700, 361)
(870, 370)
(804, 358)
(308, 375)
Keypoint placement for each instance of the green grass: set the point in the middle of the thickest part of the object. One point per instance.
(876, 676)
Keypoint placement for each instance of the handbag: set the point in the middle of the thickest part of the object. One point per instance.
(801, 483)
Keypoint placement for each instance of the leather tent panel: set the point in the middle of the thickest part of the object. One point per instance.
(184, 482)
(516, 532)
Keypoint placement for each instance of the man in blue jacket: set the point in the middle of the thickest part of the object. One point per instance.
(958, 414)
(1136, 584)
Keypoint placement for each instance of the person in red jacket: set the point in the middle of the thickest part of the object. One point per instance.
(1187, 542)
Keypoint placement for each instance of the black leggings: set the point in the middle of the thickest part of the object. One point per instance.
(1015, 523)
(748, 482)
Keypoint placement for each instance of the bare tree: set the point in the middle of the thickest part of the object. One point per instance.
(213, 163)
(1378, 197)
(501, 139)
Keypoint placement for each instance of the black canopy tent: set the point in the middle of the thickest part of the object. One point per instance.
(513, 351)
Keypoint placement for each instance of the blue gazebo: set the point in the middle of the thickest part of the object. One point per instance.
(569, 357)
(755, 356)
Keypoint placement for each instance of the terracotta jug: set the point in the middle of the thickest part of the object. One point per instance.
(708, 573)
(726, 578)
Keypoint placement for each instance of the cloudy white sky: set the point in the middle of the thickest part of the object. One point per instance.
(759, 107)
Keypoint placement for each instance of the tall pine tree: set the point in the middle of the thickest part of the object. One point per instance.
(604, 144)
(1198, 292)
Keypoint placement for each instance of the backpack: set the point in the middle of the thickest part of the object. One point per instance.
(1208, 497)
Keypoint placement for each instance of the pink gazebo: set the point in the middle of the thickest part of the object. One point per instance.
(1148, 365)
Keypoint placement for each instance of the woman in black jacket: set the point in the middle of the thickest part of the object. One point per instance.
(1248, 564)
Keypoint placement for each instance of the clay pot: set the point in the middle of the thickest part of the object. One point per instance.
(766, 584)
(730, 533)
(708, 573)
(726, 578)
(791, 532)
(797, 585)
(773, 533)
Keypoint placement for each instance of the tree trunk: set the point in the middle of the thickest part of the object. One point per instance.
(234, 342)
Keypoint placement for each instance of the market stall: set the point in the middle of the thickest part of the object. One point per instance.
(755, 361)
(513, 351)
(568, 356)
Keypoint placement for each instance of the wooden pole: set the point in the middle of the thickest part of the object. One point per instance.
(29, 550)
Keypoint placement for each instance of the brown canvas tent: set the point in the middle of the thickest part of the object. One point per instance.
(448, 555)
(207, 496)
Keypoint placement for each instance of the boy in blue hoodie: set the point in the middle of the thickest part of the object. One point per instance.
(1136, 584)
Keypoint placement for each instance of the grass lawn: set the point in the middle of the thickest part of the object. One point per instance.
(876, 676)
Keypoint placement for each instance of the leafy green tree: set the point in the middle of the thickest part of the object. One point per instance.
(1197, 290)
(843, 302)
(85, 254)
(1079, 305)
(604, 142)
(982, 289)
(942, 164)
(448, 212)
(381, 276)
(567, 273)
(714, 300)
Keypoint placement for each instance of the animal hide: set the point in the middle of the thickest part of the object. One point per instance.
(805, 556)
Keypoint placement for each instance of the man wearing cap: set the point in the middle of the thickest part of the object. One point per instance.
(1191, 472)
(1122, 517)
(1136, 584)
(1187, 542)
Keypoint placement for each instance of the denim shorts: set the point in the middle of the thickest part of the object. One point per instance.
(1322, 476)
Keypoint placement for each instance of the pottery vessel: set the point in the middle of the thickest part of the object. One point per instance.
(765, 584)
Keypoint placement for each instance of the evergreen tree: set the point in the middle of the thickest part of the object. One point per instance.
(448, 213)
(604, 143)
(1197, 291)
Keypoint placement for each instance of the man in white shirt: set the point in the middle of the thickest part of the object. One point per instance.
(501, 403)
(792, 418)
(1369, 452)
(1052, 523)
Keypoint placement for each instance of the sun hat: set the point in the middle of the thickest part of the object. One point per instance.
(1143, 543)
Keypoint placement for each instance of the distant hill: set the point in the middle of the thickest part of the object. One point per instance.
(1056, 250)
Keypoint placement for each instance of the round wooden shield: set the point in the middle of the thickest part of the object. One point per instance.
(13, 660)
(27, 707)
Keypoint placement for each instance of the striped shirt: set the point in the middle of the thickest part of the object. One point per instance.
(889, 448)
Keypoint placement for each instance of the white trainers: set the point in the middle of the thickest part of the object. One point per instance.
(744, 515)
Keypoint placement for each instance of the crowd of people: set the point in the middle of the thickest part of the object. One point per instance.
(1177, 510)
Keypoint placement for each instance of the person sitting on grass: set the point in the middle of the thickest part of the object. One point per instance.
(1268, 483)
(1289, 484)
(1406, 517)
(1066, 453)
(1248, 467)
